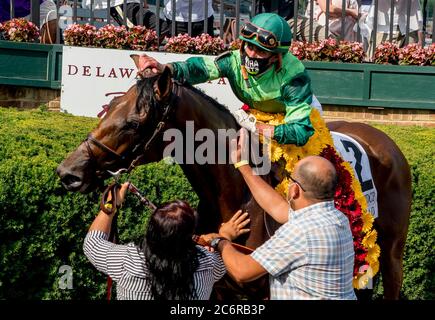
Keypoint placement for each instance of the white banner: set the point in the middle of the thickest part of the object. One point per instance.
(92, 77)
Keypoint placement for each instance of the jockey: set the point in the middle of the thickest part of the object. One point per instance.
(263, 74)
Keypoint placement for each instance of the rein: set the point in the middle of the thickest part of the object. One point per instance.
(110, 207)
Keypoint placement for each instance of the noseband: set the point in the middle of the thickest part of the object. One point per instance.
(146, 145)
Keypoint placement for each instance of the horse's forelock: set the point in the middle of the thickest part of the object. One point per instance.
(145, 92)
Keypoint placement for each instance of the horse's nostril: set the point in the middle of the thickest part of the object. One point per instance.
(70, 179)
(71, 182)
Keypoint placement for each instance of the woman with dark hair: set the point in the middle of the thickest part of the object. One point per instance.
(168, 265)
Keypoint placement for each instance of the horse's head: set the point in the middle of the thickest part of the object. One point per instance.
(124, 138)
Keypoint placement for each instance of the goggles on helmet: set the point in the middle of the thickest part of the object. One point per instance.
(264, 37)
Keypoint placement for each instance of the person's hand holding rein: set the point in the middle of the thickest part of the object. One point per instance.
(103, 221)
(120, 195)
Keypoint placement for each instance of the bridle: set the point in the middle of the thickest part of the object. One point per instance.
(144, 146)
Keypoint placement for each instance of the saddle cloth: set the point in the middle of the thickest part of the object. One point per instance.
(352, 152)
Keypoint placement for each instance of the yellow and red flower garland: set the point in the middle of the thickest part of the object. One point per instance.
(348, 197)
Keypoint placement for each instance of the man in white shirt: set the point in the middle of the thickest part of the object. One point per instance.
(132, 12)
(199, 15)
(334, 22)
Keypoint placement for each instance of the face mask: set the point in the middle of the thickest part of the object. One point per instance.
(255, 66)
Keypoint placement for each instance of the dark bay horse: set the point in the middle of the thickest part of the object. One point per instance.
(132, 131)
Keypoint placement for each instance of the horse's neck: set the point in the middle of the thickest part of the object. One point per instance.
(215, 184)
(206, 113)
(221, 189)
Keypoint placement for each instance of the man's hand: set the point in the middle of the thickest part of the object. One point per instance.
(234, 227)
(239, 148)
(230, 229)
(265, 129)
(146, 62)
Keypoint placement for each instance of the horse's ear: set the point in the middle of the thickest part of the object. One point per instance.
(135, 58)
(163, 85)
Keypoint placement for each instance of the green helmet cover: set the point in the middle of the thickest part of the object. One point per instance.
(276, 25)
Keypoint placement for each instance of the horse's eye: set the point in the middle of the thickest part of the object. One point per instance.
(132, 125)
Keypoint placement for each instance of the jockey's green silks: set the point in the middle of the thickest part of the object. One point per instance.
(287, 90)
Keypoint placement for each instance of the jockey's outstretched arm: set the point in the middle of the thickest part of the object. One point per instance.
(296, 94)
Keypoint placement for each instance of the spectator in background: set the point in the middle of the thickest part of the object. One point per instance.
(302, 30)
(365, 5)
(182, 16)
(47, 16)
(399, 23)
(48, 23)
(21, 9)
(132, 12)
(335, 20)
(365, 32)
(285, 8)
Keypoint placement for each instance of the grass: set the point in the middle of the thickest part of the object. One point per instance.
(416, 142)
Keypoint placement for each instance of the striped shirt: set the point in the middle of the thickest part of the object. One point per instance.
(125, 264)
(311, 256)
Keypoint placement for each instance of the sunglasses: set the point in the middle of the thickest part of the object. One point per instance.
(264, 37)
(297, 182)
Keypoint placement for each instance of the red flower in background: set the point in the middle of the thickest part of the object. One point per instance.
(20, 30)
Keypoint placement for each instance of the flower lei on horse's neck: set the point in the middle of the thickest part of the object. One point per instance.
(348, 198)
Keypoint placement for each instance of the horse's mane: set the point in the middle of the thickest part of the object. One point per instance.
(215, 103)
(146, 84)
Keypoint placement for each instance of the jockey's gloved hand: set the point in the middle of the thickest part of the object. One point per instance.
(245, 120)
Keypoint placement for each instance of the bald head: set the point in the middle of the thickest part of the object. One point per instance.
(318, 177)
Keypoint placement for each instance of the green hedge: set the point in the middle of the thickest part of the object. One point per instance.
(42, 226)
